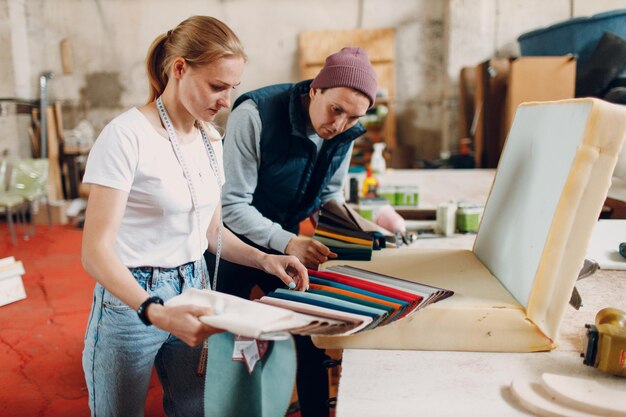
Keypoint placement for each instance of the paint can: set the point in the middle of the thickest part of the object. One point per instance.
(388, 192)
(407, 195)
(468, 217)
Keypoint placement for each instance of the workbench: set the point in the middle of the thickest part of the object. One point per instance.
(438, 383)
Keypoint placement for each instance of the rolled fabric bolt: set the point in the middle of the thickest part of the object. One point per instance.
(388, 218)
(446, 218)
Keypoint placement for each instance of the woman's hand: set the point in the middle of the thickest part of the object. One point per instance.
(310, 252)
(183, 322)
(288, 268)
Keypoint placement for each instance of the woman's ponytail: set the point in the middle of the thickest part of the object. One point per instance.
(155, 69)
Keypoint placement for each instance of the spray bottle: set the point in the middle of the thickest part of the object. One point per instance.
(378, 164)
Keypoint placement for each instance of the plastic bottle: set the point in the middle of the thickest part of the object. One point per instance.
(370, 185)
(378, 164)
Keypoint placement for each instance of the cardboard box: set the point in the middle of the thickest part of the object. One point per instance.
(538, 78)
(11, 285)
(503, 84)
(57, 212)
(491, 76)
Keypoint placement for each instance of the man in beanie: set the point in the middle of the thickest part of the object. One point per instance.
(286, 152)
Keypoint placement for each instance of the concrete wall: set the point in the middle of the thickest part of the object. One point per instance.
(109, 39)
(588, 7)
(14, 79)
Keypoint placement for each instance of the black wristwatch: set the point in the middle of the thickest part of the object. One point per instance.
(141, 311)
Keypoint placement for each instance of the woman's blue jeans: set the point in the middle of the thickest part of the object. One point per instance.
(120, 351)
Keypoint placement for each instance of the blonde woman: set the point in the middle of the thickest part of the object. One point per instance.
(154, 207)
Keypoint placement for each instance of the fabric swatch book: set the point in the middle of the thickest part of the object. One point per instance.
(349, 235)
(337, 304)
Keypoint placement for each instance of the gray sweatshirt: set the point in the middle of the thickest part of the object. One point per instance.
(242, 158)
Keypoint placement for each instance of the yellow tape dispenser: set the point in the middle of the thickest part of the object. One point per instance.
(606, 342)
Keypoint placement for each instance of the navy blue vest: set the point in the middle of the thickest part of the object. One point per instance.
(290, 177)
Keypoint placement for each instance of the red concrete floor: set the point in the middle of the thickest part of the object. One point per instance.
(41, 337)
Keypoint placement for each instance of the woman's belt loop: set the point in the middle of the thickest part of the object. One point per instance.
(154, 280)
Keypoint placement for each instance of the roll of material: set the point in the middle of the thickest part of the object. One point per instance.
(446, 218)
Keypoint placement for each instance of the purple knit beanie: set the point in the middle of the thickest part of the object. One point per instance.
(349, 67)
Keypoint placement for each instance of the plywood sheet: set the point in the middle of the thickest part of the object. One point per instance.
(315, 46)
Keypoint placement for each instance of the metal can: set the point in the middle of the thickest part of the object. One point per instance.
(468, 217)
(407, 195)
(388, 192)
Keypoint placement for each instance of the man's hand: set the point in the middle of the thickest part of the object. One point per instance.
(310, 252)
(289, 269)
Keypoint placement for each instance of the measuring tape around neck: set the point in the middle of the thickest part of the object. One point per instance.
(165, 119)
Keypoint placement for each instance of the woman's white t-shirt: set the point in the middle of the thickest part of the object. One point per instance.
(159, 226)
